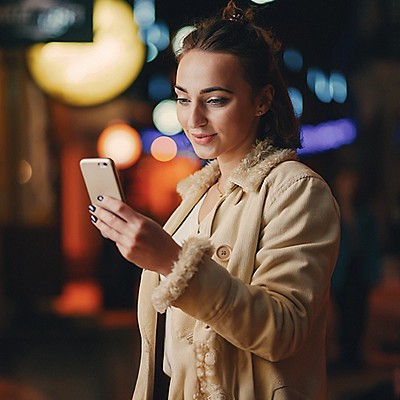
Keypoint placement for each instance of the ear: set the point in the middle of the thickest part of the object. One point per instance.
(265, 99)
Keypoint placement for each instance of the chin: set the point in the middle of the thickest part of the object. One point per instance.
(205, 155)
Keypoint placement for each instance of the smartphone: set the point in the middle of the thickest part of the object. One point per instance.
(101, 178)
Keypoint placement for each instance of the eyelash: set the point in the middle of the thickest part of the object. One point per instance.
(217, 100)
(213, 101)
(182, 100)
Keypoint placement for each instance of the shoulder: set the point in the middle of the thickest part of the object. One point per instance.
(294, 178)
(290, 171)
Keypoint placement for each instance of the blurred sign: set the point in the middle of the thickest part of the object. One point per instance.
(36, 21)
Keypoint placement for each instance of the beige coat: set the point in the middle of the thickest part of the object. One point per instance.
(249, 294)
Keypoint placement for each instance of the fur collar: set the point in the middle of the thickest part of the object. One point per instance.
(249, 174)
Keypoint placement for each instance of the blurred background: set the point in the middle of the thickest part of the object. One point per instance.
(84, 78)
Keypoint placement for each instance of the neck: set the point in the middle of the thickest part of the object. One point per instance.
(226, 166)
(230, 159)
(225, 174)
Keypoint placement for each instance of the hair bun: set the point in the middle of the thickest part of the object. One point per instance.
(233, 13)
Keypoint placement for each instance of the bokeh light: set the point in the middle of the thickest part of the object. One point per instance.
(165, 119)
(327, 136)
(293, 60)
(144, 11)
(56, 21)
(159, 87)
(155, 34)
(120, 142)
(183, 144)
(327, 87)
(152, 52)
(158, 34)
(297, 101)
(323, 89)
(312, 74)
(318, 82)
(25, 172)
(85, 74)
(338, 87)
(163, 148)
(148, 136)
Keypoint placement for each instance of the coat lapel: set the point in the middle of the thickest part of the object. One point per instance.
(249, 174)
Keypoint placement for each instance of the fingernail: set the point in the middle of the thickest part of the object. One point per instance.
(93, 218)
(100, 198)
(92, 208)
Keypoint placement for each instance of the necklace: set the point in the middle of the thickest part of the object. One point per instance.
(219, 190)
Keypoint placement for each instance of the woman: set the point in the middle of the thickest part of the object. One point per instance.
(242, 268)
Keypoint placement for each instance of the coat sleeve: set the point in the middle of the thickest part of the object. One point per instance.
(273, 315)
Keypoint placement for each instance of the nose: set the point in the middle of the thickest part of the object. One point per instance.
(197, 117)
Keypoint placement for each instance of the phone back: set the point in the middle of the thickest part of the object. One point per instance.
(101, 178)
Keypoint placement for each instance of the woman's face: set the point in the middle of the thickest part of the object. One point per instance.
(216, 106)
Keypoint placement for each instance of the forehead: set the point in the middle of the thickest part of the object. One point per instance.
(200, 69)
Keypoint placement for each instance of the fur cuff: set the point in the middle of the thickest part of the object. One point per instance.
(183, 269)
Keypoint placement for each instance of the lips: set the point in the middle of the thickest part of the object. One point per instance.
(203, 138)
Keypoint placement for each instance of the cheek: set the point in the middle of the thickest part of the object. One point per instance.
(180, 114)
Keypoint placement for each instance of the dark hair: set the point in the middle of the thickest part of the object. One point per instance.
(258, 50)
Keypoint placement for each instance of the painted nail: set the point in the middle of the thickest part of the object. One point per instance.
(100, 198)
(93, 218)
(92, 208)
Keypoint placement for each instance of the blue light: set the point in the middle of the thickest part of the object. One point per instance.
(293, 60)
(159, 87)
(297, 100)
(144, 12)
(148, 136)
(312, 74)
(152, 52)
(318, 83)
(322, 88)
(158, 34)
(327, 136)
(327, 88)
(338, 85)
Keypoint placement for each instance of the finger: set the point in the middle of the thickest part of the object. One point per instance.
(107, 221)
(94, 220)
(117, 207)
(124, 241)
(105, 229)
(110, 218)
(114, 227)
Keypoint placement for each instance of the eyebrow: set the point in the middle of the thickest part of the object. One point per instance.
(206, 90)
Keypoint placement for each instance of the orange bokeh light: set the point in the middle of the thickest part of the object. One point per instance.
(164, 148)
(120, 142)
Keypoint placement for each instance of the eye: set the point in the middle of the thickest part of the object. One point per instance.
(182, 100)
(217, 101)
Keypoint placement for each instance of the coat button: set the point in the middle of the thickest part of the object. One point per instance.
(223, 252)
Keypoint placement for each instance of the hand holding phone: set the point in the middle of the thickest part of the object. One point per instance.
(101, 179)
